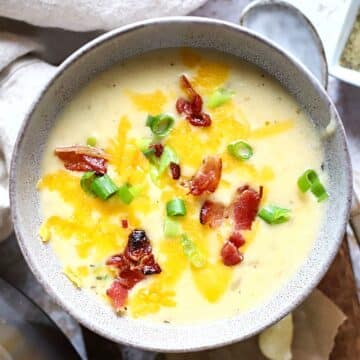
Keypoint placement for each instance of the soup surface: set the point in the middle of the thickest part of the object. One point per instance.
(178, 206)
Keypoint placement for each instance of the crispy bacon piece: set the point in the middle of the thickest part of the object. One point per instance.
(118, 295)
(138, 245)
(202, 119)
(245, 207)
(134, 264)
(230, 254)
(207, 177)
(175, 170)
(212, 213)
(192, 108)
(187, 87)
(149, 266)
(119, 261)
(130, 277)
(158, 149)
(237, 239)
(83, 158)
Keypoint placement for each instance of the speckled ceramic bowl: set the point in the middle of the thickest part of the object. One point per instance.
(129, 41)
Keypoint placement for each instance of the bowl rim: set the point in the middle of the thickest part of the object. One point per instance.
(221, 339)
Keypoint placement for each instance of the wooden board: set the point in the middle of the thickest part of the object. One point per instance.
(339, 285)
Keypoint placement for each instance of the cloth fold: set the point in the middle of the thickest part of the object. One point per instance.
(86, 15)
(20, 84)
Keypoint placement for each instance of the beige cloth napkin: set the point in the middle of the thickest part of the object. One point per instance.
(20, 83)
(85, 15)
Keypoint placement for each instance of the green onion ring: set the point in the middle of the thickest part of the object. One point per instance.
(175, 207)
(161, 124)
(171, 228)
(103, 187)
(125, 194)
(310, 181)
(240, 149)
(273, 214)
(91, 141)
(86, 181)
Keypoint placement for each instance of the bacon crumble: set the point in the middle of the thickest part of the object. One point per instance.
(230, 254)
(245, 207)
(158, 149)
(133, 265)
(118, 295)
(207, 177)
(243, 211)
(212, 213)
(83, 158)
(192, 108)
(175, 170)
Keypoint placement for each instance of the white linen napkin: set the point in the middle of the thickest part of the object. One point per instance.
(85, 15)
(19, 86)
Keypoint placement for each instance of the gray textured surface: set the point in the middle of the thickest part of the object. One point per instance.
(13, 267)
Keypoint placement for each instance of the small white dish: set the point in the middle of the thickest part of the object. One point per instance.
(335, 67)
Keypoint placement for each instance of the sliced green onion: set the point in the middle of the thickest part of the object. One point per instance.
(319, 191)
(136, 190)
(86, 181)
(103, 187)
(125, 194)
(192, 252)
(171, 228)
(175, 207)
(91, 141)
(161, 124)
(310, 180)
(168, 156)
(273, 214)
(150, 155)
(240, 149)
(307, 179)
(154, 175)
(220, 96)
(143, 144)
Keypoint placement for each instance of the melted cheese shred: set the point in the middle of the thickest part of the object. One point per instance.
(84, 231)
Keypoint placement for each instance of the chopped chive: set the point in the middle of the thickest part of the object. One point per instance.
(161, 124)
(168, 156)
(240, 149)
(319, 191)
(192, 252)
(103, 187)
(136, 189)
(273, 214)
(143, 144)
(175, 207)
(306, 180)
(310, 181)
(219, 97)
(171, 227)
(91, 141)
(86, 181)
(154, 175)
(125, 194)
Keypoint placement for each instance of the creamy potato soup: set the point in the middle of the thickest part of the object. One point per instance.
(182, 186)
